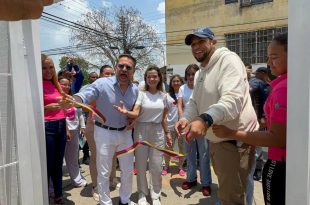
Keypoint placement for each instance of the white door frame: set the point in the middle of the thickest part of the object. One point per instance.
(298, 152)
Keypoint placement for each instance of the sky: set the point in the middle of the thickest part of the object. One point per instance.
(55, 36)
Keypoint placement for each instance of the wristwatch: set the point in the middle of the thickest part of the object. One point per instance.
(207, 118)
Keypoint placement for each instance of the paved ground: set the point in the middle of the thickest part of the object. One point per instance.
(172, 192)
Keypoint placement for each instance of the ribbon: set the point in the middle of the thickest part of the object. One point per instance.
(88, 107)
(135, 146)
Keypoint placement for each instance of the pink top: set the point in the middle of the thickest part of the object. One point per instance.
(275, 110)
(50, 93)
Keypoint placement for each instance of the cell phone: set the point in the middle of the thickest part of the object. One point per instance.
(69, 66)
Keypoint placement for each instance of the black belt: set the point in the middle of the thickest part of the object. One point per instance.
(109, 128)
(233, 142)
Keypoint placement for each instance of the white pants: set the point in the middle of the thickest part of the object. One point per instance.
(107, 143)
(153, 133)
(72, 157)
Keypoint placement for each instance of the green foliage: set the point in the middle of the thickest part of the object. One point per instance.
(86, 77)
(83, 64)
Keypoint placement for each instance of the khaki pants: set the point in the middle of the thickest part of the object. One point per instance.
(113, 171)
(92, 148)
(148, 157)
(232, 165)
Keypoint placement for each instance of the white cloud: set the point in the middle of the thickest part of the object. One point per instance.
(106, 3)
(161, 7)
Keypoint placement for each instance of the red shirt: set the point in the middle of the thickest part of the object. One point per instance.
(275, 110)
(50, 93)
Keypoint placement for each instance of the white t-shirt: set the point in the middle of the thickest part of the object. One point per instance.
(173, 116)
(152, 106)
(185, 93)
(74, 118)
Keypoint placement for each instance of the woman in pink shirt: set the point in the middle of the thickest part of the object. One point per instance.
(275, 137)
(55, 126)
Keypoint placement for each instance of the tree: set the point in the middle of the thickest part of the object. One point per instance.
(81, 62)
(109, 33)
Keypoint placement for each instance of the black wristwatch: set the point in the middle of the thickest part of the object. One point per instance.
(207, 118)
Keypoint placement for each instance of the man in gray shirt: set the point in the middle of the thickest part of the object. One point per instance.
(113, 135)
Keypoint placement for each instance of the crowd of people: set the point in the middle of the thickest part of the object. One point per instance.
(218, 112)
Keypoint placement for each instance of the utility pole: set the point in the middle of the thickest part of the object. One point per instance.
(124, 35)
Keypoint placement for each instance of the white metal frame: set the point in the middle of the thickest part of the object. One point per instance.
(24, 42)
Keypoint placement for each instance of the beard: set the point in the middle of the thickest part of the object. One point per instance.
(202, 57)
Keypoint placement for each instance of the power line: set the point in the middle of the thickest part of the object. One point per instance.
(73, 24)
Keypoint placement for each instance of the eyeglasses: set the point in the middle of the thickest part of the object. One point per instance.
(122, 66)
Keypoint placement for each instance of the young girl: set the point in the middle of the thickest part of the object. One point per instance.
(195, 146)
(275, 137)
(75, 124)
(172, 103)
(55, 125)
(151, 125)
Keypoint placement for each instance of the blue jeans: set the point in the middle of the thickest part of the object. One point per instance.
(204, 160)
(55, 135)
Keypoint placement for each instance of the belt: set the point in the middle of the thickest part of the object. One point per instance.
(233, 142)
(108, 127)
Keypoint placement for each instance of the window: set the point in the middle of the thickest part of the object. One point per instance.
(252, 46)
(252, 2)
(230, 1)
(260, 1)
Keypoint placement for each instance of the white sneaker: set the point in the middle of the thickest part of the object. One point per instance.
(115, 183)
(83, 184)
(156, 202)
(95, 194)
(129, 203)
(142, 199)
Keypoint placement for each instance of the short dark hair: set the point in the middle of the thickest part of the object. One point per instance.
(160, 83)
(248, 65)
(104, 67)
(190, 66)
(128, 56)
(281, 39)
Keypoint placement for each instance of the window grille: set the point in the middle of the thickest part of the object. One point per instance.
(252, 46)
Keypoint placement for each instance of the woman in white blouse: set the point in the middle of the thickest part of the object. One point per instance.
(151, 125)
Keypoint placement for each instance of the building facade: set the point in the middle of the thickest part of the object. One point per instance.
(244, 26)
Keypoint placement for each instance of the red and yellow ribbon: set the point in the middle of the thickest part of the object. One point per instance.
(133, 147)
(88, 107)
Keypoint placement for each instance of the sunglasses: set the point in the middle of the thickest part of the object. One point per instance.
(122, 67)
